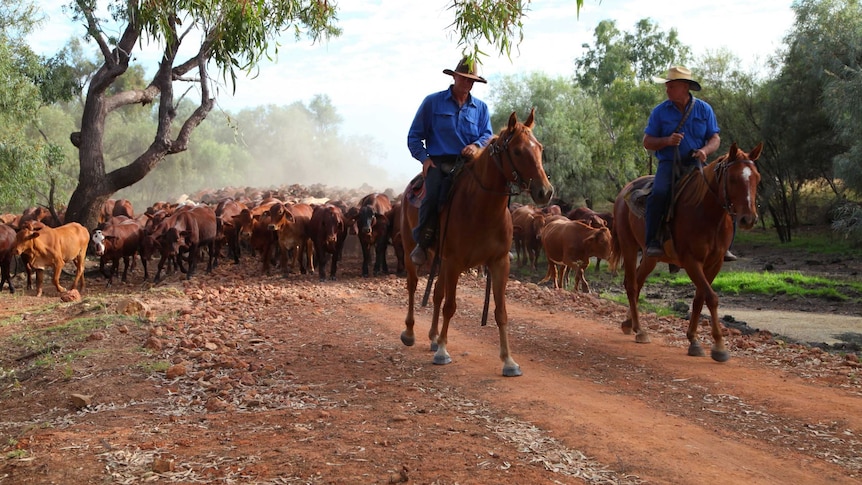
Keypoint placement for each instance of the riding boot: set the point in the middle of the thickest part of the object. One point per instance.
(426, 239)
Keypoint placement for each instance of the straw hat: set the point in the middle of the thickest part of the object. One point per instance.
(467, 69)
(679, 73)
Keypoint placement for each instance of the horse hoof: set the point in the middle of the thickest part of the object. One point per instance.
(512, 371)
(642, 338)
(442, 360)
(407, 340)
(720, 355)
(434, 346)
(695, 350)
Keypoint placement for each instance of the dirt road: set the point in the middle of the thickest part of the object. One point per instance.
(275, 380)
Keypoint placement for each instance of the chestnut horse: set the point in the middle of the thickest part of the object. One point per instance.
(701, 230)
(476, 229)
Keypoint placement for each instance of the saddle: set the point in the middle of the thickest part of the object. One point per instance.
(640, 189)
(416, 188)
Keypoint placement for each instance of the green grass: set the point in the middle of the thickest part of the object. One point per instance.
(790, 283)
(814, 242)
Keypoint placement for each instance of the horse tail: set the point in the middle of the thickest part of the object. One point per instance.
(616, 252)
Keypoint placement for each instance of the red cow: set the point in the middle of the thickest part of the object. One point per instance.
(119, 238)
(226, 226)
(527, 223)
(254, 228)
(45, 246)
(328, 231)
(7, 244)
(592, 218)
(372, 228)
(291, 230)
(571, 244)
(123, 207)
(186, 231)
(38, 214)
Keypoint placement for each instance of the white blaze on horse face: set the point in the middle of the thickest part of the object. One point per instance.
(746, 177)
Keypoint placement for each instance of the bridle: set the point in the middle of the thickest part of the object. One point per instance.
(722, 182)
(515, 181)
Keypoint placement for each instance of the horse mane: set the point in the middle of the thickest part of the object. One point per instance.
(694, 187)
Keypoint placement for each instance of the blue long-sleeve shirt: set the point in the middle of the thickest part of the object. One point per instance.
(441, 127)
(699, 127)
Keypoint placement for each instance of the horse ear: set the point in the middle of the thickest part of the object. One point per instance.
(513, 119)
(733, 152)
(531, 118)
(755, 153)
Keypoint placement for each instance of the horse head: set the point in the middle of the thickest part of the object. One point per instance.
(519, 151)
(739, 185)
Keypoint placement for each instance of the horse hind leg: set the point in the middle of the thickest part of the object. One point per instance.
(434, 330)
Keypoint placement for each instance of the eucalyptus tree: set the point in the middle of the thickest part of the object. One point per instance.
(565, 127)
(231, 37)
(29, 160)
(803, 135)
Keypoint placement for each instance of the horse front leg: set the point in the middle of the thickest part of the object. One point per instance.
(499, 280)
(407, 336)
(445, 290)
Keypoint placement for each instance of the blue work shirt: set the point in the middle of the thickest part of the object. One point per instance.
(698, 128)
(441, 127)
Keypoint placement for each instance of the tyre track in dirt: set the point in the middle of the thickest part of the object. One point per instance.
(647, 410)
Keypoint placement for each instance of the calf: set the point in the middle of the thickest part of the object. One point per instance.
(7, 244)
(44, 246)
(571, 244)
(119, 238)
(592, 218)
(328, 231)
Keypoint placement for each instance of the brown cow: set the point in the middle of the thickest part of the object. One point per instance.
(7, 244)
(527, 223)
(594, 219)
(254, 228)
(372, 229)
(120, 237)
(571, 244)
(46, 246)
(328, 231)
(186, 231)
(226, 226)
(291, 230)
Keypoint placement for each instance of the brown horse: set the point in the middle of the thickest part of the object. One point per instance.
(701, 231)
(476, 229)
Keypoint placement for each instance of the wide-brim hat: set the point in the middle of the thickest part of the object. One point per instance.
(468, 69)
(679, 73)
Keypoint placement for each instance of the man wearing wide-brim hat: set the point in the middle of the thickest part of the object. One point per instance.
(448, 125)
(683, 130)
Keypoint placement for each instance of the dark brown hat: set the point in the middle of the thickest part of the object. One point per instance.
(468, 69)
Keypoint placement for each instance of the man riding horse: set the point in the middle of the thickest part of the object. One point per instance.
(448, 125)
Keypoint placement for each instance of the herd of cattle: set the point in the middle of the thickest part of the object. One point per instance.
(277, 230)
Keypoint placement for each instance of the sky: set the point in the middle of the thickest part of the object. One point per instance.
(392, 52)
